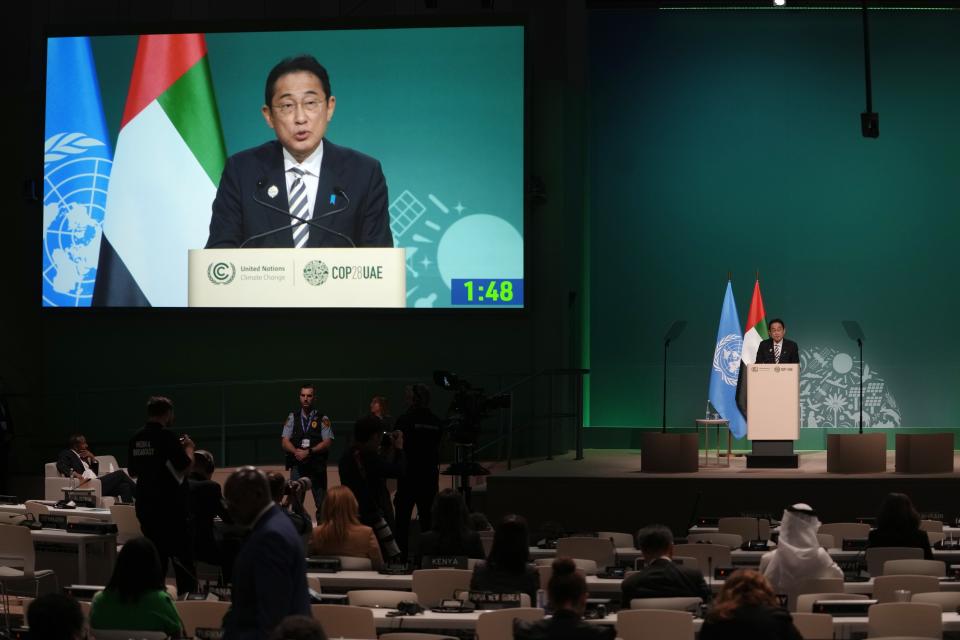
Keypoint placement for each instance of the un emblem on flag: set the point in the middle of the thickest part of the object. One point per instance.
(221, 272)
(76, 179)
(726, 358)
(315, 272)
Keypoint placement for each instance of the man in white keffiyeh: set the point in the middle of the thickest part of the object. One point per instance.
(798, 555)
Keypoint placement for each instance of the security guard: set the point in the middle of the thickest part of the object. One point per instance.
(306, 438)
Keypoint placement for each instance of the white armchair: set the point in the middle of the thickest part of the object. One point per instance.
(54, 483)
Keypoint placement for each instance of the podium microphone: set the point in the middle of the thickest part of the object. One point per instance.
(313, 224)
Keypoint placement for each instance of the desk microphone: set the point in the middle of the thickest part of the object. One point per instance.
(313, 224)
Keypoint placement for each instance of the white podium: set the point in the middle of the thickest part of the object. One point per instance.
(773, 414)
(361, 277)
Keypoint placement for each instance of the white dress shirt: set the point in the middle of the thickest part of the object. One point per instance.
(311, 174)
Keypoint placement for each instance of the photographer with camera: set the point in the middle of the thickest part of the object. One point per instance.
(289, 497)
(364, 469)
(160, 460)
(306, 439)
(419, 485)
(208, 512)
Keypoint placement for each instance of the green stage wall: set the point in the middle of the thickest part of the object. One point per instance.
(729, 141)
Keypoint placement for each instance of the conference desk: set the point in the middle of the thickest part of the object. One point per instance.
(75, 557)
(90, 513)
(949, 532)
(433, 622)
(344, 581)
(739, 557)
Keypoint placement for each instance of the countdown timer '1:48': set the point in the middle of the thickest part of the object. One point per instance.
(487, 292)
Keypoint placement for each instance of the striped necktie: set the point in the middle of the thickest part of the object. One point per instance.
(299, 207)
(776, 352)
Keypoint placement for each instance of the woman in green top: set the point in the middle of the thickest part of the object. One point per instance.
(136, 597)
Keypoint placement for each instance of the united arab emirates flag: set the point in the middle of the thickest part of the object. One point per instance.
(756, 330)
(168, 161)
(754, 333)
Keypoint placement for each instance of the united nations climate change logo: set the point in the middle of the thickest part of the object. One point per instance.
(315, 272)
(726, 358)
(221, 272)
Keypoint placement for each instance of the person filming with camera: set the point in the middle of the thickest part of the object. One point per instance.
(364, 468)
(160, 460)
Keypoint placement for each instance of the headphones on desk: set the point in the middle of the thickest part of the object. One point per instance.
(406, 608)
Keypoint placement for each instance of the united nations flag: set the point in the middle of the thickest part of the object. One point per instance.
(76, 167)
(725, 368)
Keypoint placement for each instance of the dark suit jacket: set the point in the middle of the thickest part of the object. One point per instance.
(756, 623)
(789, 352)
(664, 579)
(68, 461)
(205, 502)
(563, 625)
(243, 206)
(898, 538)
(269, 579)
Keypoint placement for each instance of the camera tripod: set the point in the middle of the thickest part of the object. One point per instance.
(464, 467)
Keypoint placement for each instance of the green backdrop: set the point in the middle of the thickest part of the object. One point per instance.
(441, 108)
(730, 141)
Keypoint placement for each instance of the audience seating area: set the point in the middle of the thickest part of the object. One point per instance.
(886, 574)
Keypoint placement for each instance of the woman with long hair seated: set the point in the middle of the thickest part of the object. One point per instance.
(341, 533)
(450, 534)
(507, 568)
(136, 597)
(567, 591)
(898, 525)
(747, 607)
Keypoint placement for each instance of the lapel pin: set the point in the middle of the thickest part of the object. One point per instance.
(272, 191)
(333, 198)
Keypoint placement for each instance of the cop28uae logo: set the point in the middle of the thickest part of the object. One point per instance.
(221, 272)
(315, 272)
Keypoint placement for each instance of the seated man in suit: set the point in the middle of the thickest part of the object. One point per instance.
(660, 577)
(77, 461)
(776, 349)
(270, 572)
(300, 190)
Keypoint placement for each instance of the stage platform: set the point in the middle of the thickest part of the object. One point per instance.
(606, 491)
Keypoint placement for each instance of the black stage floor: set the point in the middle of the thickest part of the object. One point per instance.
(606, 491)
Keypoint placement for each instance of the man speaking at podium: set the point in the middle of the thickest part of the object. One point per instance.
(300, 190)
(776, 349)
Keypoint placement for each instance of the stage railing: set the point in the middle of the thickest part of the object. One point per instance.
(240, 419)
(574, 378)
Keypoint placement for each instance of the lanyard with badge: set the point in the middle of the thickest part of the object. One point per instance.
(311, 420)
